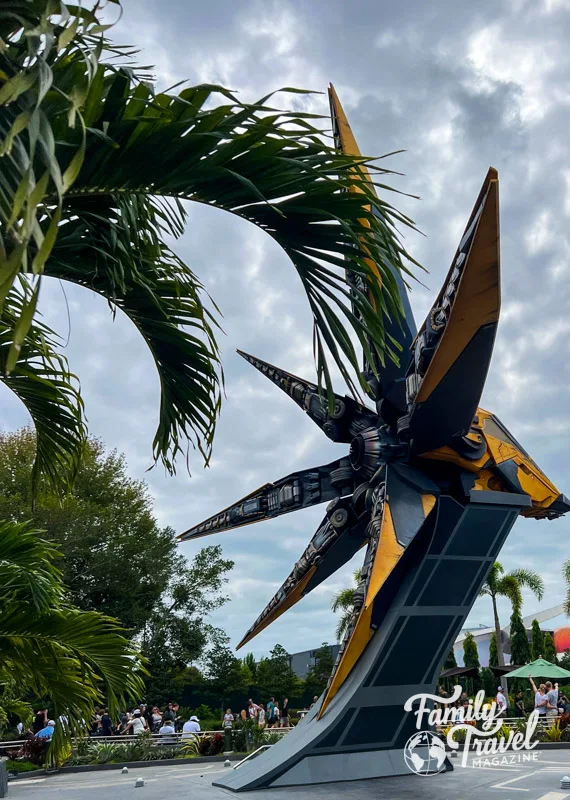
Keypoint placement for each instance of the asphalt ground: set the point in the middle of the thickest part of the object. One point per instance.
(535, 780)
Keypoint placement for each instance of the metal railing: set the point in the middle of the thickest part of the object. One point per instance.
(158, 739)
(252, 755)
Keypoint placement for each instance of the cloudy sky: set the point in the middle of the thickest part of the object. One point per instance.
(459, 86)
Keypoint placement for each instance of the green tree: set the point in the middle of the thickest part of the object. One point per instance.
(318, 675)
(470, 652)
(250, 662)
(176, 632)
(497, 584)
(450, 661)
(471, 659)
(48, 647)
(549, 649)
(116, 558)
(489, 682)
(91, 151)
(225, 673)
(537, 647)
(493, 655)
(520, 647)
(275, 676)
(564, 660)
(343, 602)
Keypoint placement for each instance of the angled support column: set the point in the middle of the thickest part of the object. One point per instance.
(421, 610)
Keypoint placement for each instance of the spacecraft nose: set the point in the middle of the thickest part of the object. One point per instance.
(560, 506)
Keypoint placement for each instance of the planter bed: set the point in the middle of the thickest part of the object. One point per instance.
(130, 764)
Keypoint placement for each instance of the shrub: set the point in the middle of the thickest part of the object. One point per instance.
(34, 750)
(20, 766)
(564, 721)
(552, 734)
(211, 745)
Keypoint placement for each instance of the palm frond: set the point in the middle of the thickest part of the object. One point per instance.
(47, 647)
(42, 381)
(269, 167)
(509, 587)
(113, 245)
(530, 580)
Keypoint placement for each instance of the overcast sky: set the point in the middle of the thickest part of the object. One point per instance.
(460, 86)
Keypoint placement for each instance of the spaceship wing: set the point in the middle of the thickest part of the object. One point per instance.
(345, 421)
(337, 539)
(400, 507)
(400, 330)
(302, 489)
(453, 348)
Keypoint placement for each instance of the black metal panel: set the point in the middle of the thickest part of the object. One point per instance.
(449, 513)
(478, 532)
(337, 731)
(412, 652)
(450, 408)
(405, 507)
(372, 726)
(457, 576)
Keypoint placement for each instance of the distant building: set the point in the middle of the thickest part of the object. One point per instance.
(482, 635)
(302, 662)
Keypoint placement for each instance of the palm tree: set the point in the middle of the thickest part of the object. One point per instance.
(344, 601)
(76, 657)
(95, 168)
(497, 584)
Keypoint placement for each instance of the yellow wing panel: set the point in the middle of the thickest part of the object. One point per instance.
(478, 297)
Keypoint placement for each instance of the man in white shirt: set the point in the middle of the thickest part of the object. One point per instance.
(501, 701)
(191, 727)
(166, 732)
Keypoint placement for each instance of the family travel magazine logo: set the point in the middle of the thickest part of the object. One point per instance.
(425, 751)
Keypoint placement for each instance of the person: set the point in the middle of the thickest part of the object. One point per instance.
(243, 715)
(253, 709)
(166, 732)
(106, 724)
(178, 720)
(501, 702)
(47, 731)
(191, 727)
(261, 717)
(95, 722)
(285, 713)
(552, 705)
(540, 699)
(519, 704)
(228, 720)
(169, 714)
(315, 698)
(563, 703)
(276, 716)
(271, 712)
(20, 728)
(156, 719)
(137, 724)
(40, 720)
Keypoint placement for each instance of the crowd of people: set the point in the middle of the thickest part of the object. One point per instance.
(549, 701)
(164, 722)
(269, 715)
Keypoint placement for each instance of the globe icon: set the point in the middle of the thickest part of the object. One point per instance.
(424, 753)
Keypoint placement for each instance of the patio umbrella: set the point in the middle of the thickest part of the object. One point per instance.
(540, 668)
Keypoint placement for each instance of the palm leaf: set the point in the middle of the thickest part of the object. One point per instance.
(113, 246)
(529, 579)
(42, 381)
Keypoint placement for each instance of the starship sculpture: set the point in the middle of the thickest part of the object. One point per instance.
(431, 486)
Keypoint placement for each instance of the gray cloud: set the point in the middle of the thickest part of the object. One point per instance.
(460, 86)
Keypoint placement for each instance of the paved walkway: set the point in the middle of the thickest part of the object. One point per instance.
(539, 780)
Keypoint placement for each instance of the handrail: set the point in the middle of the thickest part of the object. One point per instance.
(251, 755)
(179, 737)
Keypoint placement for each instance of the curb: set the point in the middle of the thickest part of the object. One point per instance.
(130, 764)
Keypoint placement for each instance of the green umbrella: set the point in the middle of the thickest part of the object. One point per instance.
(539, 669)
